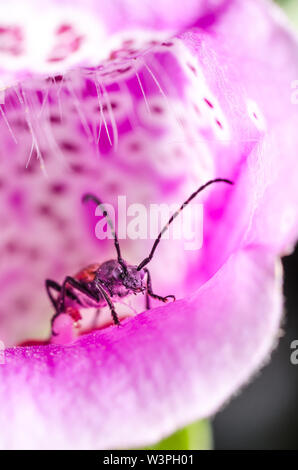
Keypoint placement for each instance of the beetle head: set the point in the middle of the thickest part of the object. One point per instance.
(132, 279)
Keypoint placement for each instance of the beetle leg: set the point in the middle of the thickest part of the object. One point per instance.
(50, 284)
(77, 286)
(150, 293)
(109, 301)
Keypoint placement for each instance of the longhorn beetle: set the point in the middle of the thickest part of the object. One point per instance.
(98, 285)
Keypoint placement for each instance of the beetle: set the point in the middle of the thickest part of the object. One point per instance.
(100, 285)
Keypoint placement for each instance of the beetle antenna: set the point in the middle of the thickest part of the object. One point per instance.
(90, 197)
(173, 216)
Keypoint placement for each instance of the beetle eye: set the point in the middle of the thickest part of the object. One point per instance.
(116, 274)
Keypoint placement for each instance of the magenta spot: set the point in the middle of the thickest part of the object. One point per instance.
(125, 69)
(167, 44)
(58, 188)
(104, 144)
(45, 210)
(64, 28)
(56, 59)
(55, 119)
(208, 103)
(128, 42)
(39, 95)
(218, 123)
(20, 124)
(105, 107)
(30, 169)
(112, 87)
(114, 188)
(89, 88)
(58, 78)
(76, 168)
(192, 68)
(156, 109)
(135, 146)
(69, 146)
(17, 199)
(114, 54)
(11, 247)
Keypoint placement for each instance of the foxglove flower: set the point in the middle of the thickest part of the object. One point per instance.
(150, 102)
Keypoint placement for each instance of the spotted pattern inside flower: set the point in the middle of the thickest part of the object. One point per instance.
(97, 129)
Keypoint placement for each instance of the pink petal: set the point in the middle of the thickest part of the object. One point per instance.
(158, 372)
(85, 31)
(178, 363)
(238, 64)
(153, 160)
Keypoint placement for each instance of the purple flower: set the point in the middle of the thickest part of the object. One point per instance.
(150, 102)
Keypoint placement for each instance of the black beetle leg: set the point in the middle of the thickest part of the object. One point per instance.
(150, 293)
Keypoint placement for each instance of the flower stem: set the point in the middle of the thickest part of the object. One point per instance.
(197, 436)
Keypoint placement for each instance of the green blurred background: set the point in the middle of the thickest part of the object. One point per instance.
(291, 8)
